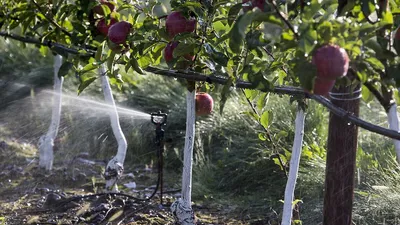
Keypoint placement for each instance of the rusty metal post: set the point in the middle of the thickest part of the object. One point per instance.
(341, 159)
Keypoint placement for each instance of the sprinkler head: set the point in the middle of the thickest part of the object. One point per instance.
(159, 118)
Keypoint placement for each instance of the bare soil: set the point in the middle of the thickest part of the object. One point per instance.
(72, 194)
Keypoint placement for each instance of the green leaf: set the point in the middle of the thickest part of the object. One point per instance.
(64, 69)
(110, 61)
(375, 63)
(250, 94)
(183, 49)
(233, 12)
(43, 50)
(253, 40)
(99, 52)
(238, 31)
(367, 96)
(215, 55)
(281, 77)
(262, 100)
(306, 72)
(106, 9)
(86, 83)
(345, 6)
(374, 45)
(325, 31)
(220, 58)
(262, 136)
(387, 19)
(135, 65)
(89, 67)
(266, 118)
(144, 61)
(308, 40)
(281, 134)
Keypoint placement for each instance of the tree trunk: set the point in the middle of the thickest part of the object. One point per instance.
(115, 166)
(182, 208)
(393, 121)
(46, 142)
(341, 160)
(294, 167)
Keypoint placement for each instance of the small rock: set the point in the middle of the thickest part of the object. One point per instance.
(130, 185)
(52, 199)
(3, 145)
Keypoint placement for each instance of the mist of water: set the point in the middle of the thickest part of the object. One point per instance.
(98, 106)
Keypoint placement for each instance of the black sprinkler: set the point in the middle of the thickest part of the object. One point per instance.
(159, 119)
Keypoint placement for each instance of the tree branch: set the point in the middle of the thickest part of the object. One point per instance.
(51, 20)
(47, 43)
(193, 76)
(283, 18)
(258, 121)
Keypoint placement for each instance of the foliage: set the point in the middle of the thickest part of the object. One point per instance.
(272, 46)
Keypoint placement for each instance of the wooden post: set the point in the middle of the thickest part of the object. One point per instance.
(341, 159)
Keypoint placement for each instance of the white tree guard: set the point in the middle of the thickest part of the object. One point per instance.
(46, 142)
(294, 167)
(115, 166)
(182, 208)
(393, 121)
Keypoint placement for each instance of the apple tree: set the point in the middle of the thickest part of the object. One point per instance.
(312, 45)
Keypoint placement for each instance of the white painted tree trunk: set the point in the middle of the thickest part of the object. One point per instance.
(115, 166)
(294, 167)
(393, 121)
(46, 142)
(182, 208)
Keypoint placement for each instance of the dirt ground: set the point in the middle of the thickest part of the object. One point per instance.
(72, 195)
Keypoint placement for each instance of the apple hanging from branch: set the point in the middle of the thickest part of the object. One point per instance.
(323, 86)
(332, 62)
(103, 25)
(119, 31)
(250, 4)
(204, 104)
(169, 52)
(98, 9)
(176, 23)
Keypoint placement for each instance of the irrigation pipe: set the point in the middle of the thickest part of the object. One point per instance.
(239, 84)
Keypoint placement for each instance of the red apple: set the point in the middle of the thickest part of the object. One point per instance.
(323, 86)
(169, 52)
(119, 31)
(176, 23)
(204, 104)
(103, 27)
(396, 41)
(261, 4)
(331, 61)
(98, 9)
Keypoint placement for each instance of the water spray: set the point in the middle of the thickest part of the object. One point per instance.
(160, 119)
